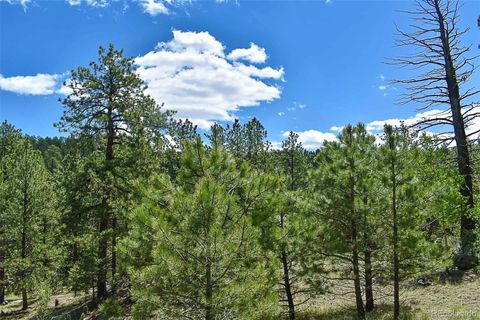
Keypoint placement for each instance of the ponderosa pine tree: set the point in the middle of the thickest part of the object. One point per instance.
(193, 248)
(217, 136)
(79, 183)
(256, 143)
(415, 191)
(339, 182)
(9, 142)
(29, 218)
(235, 139)
(293, 224)
(108, 102)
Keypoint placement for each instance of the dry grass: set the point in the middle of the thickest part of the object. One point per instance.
(67, 302)
(455, 298)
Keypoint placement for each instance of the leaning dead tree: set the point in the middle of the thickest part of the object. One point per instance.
(443, 67)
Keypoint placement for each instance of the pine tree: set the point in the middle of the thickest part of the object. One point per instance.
(108, 101)
(9, 143)
(80, 183)
(193, 248)
(30, 220)
(293, 225)
(217, 136)
(256, 143)
(416, 190)
(235, 139)
(340, 183)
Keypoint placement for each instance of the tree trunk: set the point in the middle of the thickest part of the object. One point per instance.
(2, 285)
(209, 315)
(105, 217)
(286, 277)
(356, 273)
(114, 252)
(24, 299)
(369, 301)
(24, 255)
(367, 251)
(467, 258)
(102, 256)
(288, 287)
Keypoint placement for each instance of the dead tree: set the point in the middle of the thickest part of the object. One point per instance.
(443, 67)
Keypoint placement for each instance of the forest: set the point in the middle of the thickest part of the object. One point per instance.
(140, 216)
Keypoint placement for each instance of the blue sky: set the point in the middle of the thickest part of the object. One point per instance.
(306, 66)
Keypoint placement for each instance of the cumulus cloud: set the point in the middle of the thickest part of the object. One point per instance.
(254, 54)
(154, 7)
(40, 84)
(192, 75)
(281, 114)
(313, 139)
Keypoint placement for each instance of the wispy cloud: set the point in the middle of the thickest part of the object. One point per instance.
(92, 3)
(296, 106)
(23, 3)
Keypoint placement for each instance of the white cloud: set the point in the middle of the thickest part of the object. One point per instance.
(92, 3)
(377, 126)
(254, 54)
(472, 128)
(23, 3)
(336, 128)
(266, 72)
(295, 106)
(192, 75)
(382, 88)
(313, 139)
(382, 77)
(40, 84)
(281, 114)
(154, 7)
